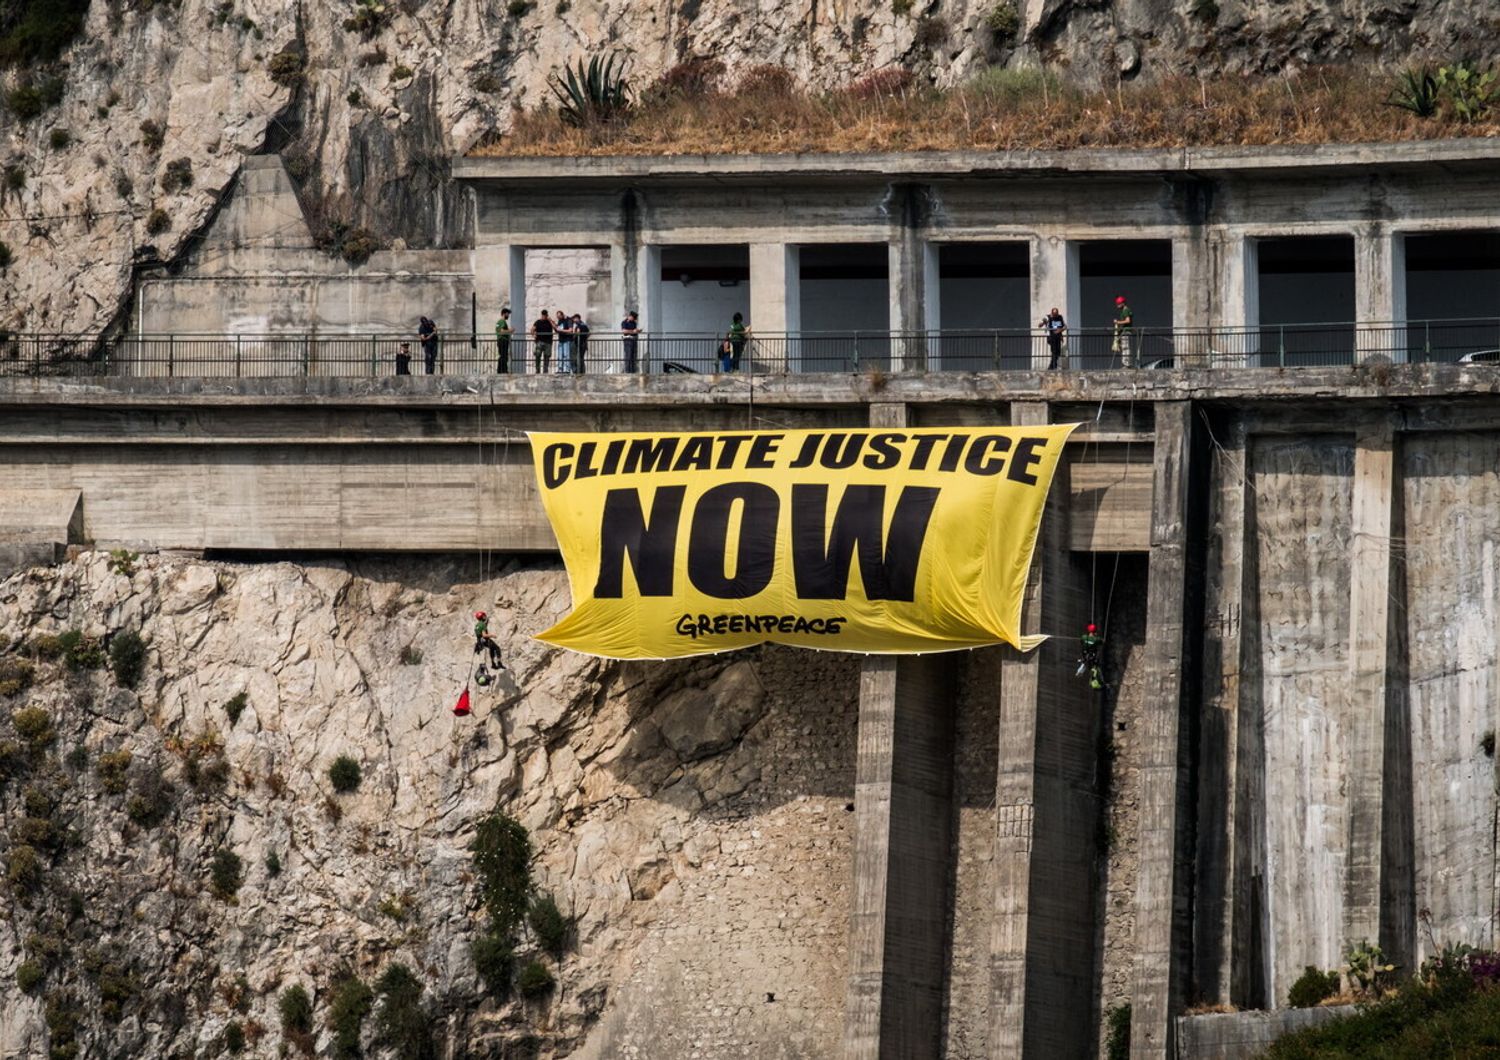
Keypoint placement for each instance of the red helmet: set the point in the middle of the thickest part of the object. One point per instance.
(480, 614)
(1119, 299)
(1092, 628)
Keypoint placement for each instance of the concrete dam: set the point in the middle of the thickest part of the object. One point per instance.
(1286, 530)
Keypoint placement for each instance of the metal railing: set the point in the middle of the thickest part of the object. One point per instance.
(382, 354)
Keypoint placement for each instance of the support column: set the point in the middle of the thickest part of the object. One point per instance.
(1054, 282)
(1191, 282)
(1043, 973)
(903, 821)
(624, 269)
(1380, 294)
(914, 286)
(500, 281)
(1161, 899)
(648, 305)
(1226, 764)
(775, 301)
(1373, 502)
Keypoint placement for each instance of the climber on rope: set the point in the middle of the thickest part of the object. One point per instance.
(1091, 658)
(484, 644)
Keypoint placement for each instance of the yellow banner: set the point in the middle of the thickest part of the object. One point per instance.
(846, 540)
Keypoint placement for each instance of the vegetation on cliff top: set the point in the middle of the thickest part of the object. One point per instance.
(696, 109)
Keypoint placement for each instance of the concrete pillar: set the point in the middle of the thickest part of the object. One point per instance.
(648, 305)
(624, 271)
(1054, 282)
(1380, 293)
(903, 821)
(1043, 974)
(775, 300)
(1370, 561)
(1226, 934)
(914, 293)
(1161, 896)
(1192, 280)
(500, 281)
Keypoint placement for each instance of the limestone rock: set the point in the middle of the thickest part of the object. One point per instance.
(698, 722)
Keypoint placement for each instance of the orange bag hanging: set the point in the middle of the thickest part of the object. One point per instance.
(461, 708)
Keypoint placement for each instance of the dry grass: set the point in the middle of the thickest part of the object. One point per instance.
(1001, 110)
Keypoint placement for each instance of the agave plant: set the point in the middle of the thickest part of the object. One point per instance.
(1417, 91)
(591, 93)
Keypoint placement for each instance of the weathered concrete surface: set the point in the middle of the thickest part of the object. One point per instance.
(1452, 531)
(256, 271)
(1302, 498)
(1243, 1035)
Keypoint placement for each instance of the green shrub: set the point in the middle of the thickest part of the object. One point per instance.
(117, 986)
(295, 1007)
(495, 961)
(400, 72)
(369, 18)
(352, 1001)
(1312, 987)
(1003, 21)
(15, 177)
(592, 93)
(397, 906)
(226, 873)
(548, 924)
(24, 867)
(1117, 1034)
(273, 864)
(178, 175)
(535, 980)
(78, 757)
(127, 657)
(122, 561)
(62, 1026)
(59, 139)
(519, 8)
(411, 656)
(15, 675)
(401, 1025)
(111, 769)
(29, 100)
(38, 31)
(11, 761)
(286, 68)
(34, 725)
(7, 256)
(152, 799)
(344, 774)
(46, 646)
(152, 135)
(234, 1037)
(235, 707)
(502, 857)
(80, 652)
(29, 976)
(158, 222)
(1469, 90)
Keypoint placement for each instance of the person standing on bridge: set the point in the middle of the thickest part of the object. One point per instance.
(630, 332)
(1057, 330)
(502, 342)
(427, 333)
(738, 335)
(403, 359)
(541, 344)
(1124, 343)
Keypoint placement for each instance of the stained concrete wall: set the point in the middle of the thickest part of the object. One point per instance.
(1301, 498)
(1452, 514)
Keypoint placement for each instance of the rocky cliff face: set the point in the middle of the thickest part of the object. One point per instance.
(176, 855)
(368, 100)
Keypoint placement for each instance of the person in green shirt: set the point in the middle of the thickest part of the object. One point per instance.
(502, 342)
(738, 334)
(1124, 322)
